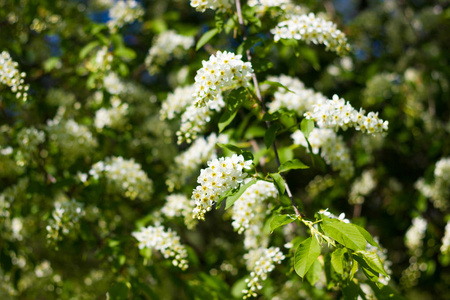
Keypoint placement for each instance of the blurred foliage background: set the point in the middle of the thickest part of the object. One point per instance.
(399, 66)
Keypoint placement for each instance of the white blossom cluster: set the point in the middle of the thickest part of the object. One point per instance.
(10, 76)
(261, 262)
(113, 117)
(319, 184)
(177, 102)
(312, 29)
(165, 45)
(220, 5)
(415, 235)
(165, 241)
(125, 176)
(439, 190)
(30, 138)
(101, 61)
(113, 84)
(411, 275)
(222, 71)
(124, 12)
(44, 269)
(187, 163)
(287, 6)
(178, 205)
(66, 215)
(337, 113)
(60, 97)
(17, 192)
(249, 212)
(445, 247)
(195, 119)
(333, 149)
(362, 187)
(222, 175)
(300, 100)
(74, 140)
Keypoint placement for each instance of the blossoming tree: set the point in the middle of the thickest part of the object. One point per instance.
(195, 150)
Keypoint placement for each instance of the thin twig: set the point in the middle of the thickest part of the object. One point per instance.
(263, 106)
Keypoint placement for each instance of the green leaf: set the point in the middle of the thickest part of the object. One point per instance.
(235, 99)
(242, 189)
(367, 236)
(351, 291)
(338, 260)
(279, 182)
(119, 291)
(305, 255)
(206, 37)
(292, 165)
(311, 56)
(344, 233)
(370, 273)
(314, 272)
(226, 118)
(385, 292)
(270, 135)
(125, 53)
(246, 154)
(354, 268)
(306, 127)
(51, 63)
(372, 259)
(261, 65)
(88, 48)
(278, 85)
(218, 18)
(281, 220)
(271, 117)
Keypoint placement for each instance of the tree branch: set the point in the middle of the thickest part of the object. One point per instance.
(261, 102)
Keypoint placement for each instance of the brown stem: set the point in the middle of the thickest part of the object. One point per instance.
(261, 102)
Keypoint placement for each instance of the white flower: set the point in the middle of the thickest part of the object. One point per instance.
(337, 113)
(362, 187)
(165, 45)
(177, 102)
(287, 6)
(222, 175)
(113, 84)
(10, 76)
(299, 99)
(332, 216)
(188, 162)
(166, 242)
(113, 117)
(124, 12)
(222, 71)
(65, 216)
(220, 5)
(333, 149)
(439, 190)
(74, 140)
(249, 212)
(312, 29)
(415, 235)
(178, 205)
(125, 176)
(195, 119)
(260, 262)
(445, 247)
